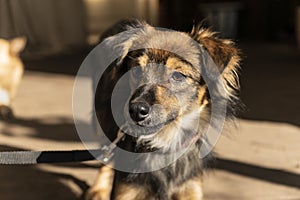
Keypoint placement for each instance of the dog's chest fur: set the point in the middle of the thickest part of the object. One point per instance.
(161, 184)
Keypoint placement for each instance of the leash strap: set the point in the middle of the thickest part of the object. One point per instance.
(107, 154)
(104, 154)
(35, 157)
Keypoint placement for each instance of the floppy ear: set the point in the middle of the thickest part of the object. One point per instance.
(120, 38)
(17, 45)
(224, 55)
(120, 45)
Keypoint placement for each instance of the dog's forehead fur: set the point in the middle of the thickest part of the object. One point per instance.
(148, 37)
(160, 62)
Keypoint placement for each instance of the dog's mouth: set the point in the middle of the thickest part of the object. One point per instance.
(137, 130)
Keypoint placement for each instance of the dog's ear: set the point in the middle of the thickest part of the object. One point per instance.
(120, 38)
(17, 45)
(224, 55)
(120, 45)
(120, 26)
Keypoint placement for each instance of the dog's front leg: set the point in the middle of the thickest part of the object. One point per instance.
(101, 190)
(129, 191)
(189, 190)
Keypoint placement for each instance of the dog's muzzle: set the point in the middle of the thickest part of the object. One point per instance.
(137, 131)
(139, 111)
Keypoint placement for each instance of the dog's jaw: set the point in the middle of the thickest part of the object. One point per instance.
(172, 137)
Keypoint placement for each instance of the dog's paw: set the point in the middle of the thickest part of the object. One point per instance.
(97, 194)
(6, 113)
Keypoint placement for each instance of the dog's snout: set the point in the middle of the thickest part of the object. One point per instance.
(139, 111)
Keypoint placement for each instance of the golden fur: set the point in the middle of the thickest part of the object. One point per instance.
(11, 71)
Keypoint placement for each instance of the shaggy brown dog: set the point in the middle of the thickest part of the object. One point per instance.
(169, 108)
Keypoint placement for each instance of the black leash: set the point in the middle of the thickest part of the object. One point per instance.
(35, 157)
(104, 154)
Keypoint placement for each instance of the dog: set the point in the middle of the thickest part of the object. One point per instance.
(169, 108)
(11, 71)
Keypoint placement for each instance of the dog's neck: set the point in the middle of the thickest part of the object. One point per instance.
(144, 148)
(171, 176)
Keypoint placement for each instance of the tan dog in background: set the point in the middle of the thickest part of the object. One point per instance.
(11, 71)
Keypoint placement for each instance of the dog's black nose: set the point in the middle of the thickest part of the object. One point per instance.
(139, 111)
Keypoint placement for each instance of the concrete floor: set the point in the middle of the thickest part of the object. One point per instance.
(258, 160)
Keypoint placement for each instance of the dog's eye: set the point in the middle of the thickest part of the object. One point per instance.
(177, 76)
(137, 72)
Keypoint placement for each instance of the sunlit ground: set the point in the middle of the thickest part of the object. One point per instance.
(259, 159)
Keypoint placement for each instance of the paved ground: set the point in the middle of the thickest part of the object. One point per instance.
(258, 160)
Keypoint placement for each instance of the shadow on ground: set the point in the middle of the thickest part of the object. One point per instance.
(270, 90)
(62, 129)
(266, 174)
(32, 183)
(68, 63)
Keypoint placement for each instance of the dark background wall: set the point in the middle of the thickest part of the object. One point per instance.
(258, 19)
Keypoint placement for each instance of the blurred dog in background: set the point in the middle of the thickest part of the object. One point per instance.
(11, 71)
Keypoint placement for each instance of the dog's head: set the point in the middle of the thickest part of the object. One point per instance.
(10, 49)
(170, 101)
(11, 69)
(165, 90)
